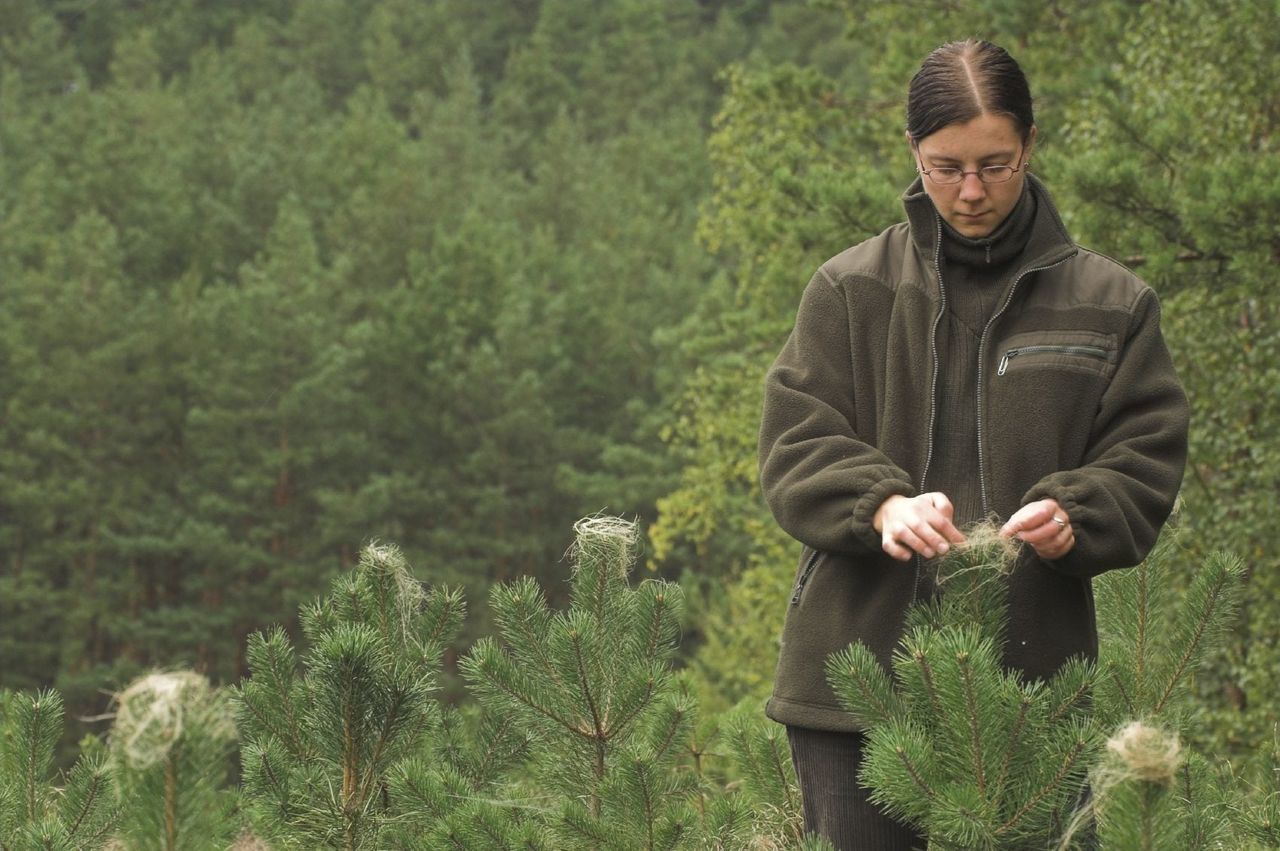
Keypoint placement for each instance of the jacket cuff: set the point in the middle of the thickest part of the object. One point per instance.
(864, 510)
(1077, 562)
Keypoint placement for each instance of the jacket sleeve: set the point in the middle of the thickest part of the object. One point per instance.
(822, 482)
(1121, 496)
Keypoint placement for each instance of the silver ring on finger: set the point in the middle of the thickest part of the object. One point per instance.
(1062, 524)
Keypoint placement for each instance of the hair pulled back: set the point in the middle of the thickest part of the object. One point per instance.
(964, 79)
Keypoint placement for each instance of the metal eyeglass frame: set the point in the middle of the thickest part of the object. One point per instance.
(982, 173)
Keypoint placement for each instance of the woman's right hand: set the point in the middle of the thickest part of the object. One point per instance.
(919, 524)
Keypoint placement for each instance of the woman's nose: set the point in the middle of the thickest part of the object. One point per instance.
(971, 188)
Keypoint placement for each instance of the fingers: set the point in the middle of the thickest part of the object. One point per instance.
(899, 541)
(943, 523)
(1059, 543)
(1031, 516)
(920, 525)
(1045, 526)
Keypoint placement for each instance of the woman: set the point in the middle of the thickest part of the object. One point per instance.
(970, 362)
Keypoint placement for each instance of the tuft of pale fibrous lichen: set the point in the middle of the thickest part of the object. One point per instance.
(1139, 751)
(983, 552)
(605, 539)
(154, 712)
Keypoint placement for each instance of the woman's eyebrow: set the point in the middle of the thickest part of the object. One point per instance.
(998, 155)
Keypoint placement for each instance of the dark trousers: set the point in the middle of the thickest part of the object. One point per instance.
(835, 806)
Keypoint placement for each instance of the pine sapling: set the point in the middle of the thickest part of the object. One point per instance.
(592, 689)
(326, 736)
(170, 748)
(971, 754)
(35, 813)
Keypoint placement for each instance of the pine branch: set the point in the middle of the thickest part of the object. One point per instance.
(584, 684)
(40, 722)
(249, 702)
(862, 685)
(524, 616)
(1015, 741)
(914, 773)
(655, 632)
(586, 826)
(1219, 581)
(445, 620)
(88, 784)
(646, 794)
(1118, 682)
(638, 705)
(1071, 701)
(1047, 789)
(780, 770)
(489, 754)
(926, 677)
(1140, 645)
(389, 721)
(975, 723)
(260, 757)
(672, 730)
(495, 670)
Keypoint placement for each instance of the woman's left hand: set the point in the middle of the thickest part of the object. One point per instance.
(1045, 526)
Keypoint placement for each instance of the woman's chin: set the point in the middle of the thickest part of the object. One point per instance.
(974, 227)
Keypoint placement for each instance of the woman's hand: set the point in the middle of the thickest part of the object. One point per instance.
(1045, 526)
(920, 524)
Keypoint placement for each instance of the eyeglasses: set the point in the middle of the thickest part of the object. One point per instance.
(949, 176)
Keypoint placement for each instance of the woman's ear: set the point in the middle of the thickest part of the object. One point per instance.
(1031, 142)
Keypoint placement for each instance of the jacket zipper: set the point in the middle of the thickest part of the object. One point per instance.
(933, 384)
(804, 577)
(982, 347)
(1086, 351)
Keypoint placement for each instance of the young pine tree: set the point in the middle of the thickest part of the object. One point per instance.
(328, 747)
(592, 690)
(36, 815)
(979, 759)
(970, 754)
(1150, 790)
(170, 749)
(760, 807)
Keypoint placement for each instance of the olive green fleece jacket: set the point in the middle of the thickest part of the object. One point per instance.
(1077, 400)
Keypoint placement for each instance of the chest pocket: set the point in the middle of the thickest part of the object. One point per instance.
(1046, 352)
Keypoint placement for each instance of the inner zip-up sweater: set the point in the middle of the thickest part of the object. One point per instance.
(974, 274)
(1089, 412)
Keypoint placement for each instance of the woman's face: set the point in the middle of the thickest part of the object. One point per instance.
(972, 207)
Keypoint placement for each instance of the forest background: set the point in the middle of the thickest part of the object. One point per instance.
(280, 278)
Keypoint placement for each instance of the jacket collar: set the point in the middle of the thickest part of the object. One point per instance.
(1048, 243)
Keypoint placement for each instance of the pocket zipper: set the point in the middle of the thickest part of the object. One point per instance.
(804, 576)
(1087, 351)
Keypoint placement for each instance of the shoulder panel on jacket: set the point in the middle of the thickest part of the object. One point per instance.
(1093, 279)
(886, 258)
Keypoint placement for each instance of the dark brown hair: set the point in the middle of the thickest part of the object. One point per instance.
(962, 80)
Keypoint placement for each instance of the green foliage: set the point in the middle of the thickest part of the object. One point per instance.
(976, 757)
(322, 744)
(1155, 157)
(1171, 161)
(78, 815)
(967, 752)
(1153, 644)
(592, 690)
(257, 255)
(169, 749)
(764, 809)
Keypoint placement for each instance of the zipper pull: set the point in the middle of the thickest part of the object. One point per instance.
(1004, 361)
